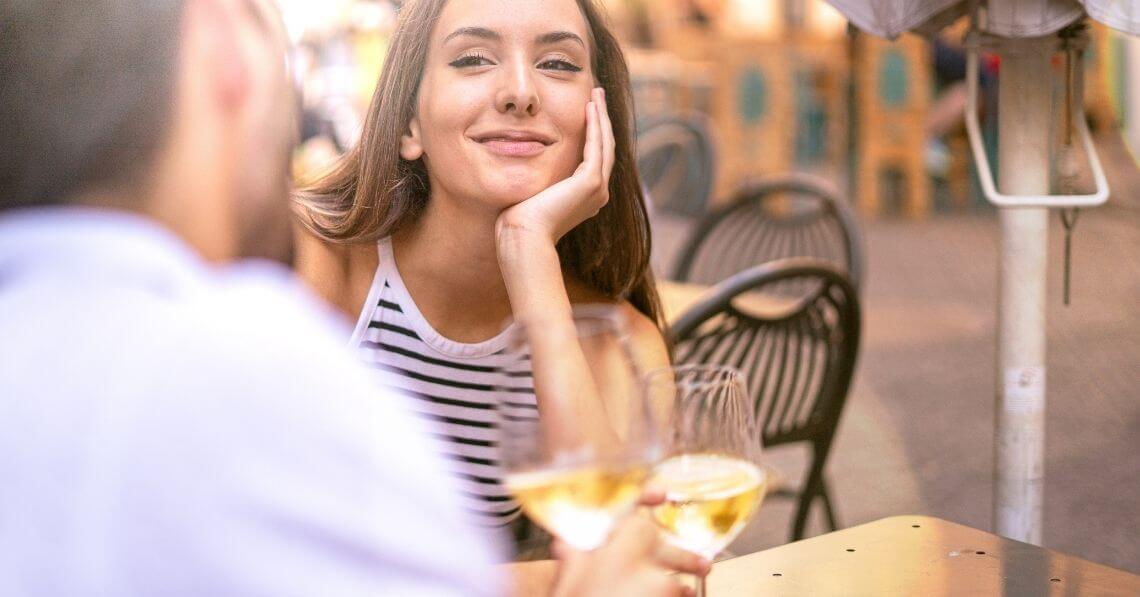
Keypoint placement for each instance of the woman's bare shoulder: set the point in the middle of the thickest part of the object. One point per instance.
(331, 269)
(647, 340)
(318, 262)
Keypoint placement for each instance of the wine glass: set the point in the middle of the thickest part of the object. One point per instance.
(576, 432)
(711, 476)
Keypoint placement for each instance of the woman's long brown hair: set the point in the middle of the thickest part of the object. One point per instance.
(373, 192)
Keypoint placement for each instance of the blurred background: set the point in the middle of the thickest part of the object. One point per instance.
(733, 94)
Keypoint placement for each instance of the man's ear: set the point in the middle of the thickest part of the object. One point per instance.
(223, 52)
(411, 142)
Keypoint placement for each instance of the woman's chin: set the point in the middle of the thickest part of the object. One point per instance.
(505, 188)
(509, 200)
(508, 195)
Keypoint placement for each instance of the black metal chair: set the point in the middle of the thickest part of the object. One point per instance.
(796, 215)
(676, 160)
(798, 355)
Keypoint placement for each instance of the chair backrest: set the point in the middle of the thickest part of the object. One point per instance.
(796, 215)
(798, 357)
(676, 162)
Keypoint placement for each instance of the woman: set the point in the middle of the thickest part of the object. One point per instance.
(494, 179)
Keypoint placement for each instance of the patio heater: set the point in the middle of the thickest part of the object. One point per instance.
(1026, 34)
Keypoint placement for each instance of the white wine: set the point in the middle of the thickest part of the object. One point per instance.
(708, 499)
(580, 505)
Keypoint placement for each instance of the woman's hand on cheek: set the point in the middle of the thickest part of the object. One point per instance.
(567, 203)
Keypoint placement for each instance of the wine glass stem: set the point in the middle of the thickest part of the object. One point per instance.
(700, 588)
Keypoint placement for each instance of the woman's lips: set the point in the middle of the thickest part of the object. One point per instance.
(513, 147)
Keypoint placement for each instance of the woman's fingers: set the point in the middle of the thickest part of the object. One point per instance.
(651, 495)
(674, 558)
(607, 130)
(649, 583)
(559, 549)
(591, 152)
(635, 535)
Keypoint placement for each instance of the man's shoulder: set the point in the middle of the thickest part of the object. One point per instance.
(265, 309)
(255, 347)
(257, 326)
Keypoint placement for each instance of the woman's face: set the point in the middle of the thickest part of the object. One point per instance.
(500, 113)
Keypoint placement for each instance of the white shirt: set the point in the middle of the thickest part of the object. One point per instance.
(167, 428)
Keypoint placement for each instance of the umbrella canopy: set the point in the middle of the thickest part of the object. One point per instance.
(1007, 18)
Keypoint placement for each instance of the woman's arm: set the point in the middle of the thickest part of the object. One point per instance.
(651, 353)
(526, 236)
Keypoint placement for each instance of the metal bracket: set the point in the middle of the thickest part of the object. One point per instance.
(982, 162)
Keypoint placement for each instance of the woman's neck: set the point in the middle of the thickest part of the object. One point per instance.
(449, 263)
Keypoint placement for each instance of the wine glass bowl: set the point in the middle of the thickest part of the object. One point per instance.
(711, 476)
(709, 499)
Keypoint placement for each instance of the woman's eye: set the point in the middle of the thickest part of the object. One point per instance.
(558, 64)
(469, 60)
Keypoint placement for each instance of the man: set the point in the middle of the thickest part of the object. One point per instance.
(169, 424)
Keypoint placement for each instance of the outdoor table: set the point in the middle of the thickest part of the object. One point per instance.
(677, 297)
(914, 555)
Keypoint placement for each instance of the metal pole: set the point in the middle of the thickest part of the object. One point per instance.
(1024, 115)
(1132, 95)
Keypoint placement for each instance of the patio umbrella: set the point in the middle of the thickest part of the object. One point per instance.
(1007, 18)
(1025, 34)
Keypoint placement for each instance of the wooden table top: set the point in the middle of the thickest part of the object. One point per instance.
(677, 297)
(914, 555)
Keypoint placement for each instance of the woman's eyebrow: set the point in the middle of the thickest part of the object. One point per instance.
(551, 37)
(557, 36)
(479, 32)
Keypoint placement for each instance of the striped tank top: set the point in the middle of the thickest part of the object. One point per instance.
(454, 385)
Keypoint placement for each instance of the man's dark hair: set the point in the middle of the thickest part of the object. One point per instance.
(86, 95)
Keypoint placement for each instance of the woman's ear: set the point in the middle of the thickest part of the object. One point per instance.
(411, 144)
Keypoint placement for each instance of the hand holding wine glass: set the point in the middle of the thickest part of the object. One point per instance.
(631, 563)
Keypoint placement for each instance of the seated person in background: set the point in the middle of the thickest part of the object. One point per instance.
(173, 424)
(494, 179)
(945, 116)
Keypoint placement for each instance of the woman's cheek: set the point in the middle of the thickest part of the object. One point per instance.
(445, 131)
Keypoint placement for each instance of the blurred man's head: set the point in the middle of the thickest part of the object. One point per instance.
(178, 109)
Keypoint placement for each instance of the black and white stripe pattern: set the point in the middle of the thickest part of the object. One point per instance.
(456, 387)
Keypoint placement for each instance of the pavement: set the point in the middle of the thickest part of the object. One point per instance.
(917, 433)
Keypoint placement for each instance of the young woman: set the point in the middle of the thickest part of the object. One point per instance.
(494, 179)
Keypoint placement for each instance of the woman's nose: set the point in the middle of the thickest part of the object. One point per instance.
(517, 92)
